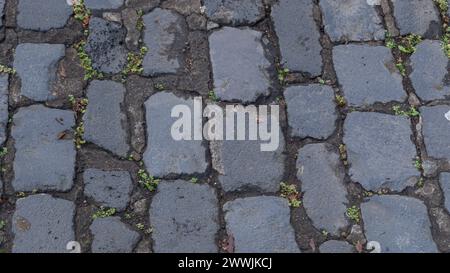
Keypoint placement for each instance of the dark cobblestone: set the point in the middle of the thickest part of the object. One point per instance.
(3, 107)
(234, 12)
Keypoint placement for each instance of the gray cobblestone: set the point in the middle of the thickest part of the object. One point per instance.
(444, 180)
(103, 4)
(112, 236)
(42, 15)
(435, 131)
(235, 12)
(3, 107)
(334, 246)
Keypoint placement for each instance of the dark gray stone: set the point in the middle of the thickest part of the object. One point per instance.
(234, 12)
(42, 224)
(351, 20)
(311, 111)
(260, 224)
(334, 246)
(142, 4)
(380, 151)
(418, 17)
(43, 160)
(322, 175)
(2, 6)
(435, 130)
(43, 15)
(164, 155)
(165, 37)
(3, 107)
(104, 122)
(105, 45)
(112, 236)
(36, 66)
(239, 65)
(398, 223)
(110, 188)
(103, 4)
(184, 217)
(430, 71)
(367, 74)
(298, 36)
(444, 180)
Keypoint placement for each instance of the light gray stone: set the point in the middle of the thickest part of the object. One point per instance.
(105, 124)
(444, 180)
(334, 246)
(239, 65)
(380, 151)
(103, 4)
(106, 45)
(110, 235)
(351, 20)
(311, 111)
(260, 224)
(322, 175)
(164, 155)
(367, 74)
(42, 224)
(430, 75)
(399, 223)
(165, 36)
(36, 66)
(110, 188)
(43, 15)
(43, 160)
(3, 107)
(234, 12)
(435, 130)
(184, 217)
(298, 36)
(418, 17)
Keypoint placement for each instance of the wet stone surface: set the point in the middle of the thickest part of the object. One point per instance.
(42, 15)
(436, 128)
(112, 236)
(234, 12)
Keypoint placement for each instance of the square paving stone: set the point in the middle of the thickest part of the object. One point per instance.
(43, 15)
(184, 217)
(112, 236)
(42, 224)
(367, 74)
(239, 64)
(104, 122)
(380, 151)
(334, 246)
(351, 20)
(43, 160)
(164, 155)
(298, 36)
(165, 36)
(399, 223)
(260, 224)
(3, 107)
(110, 188)
(320, 170)
(417, 17)
(435, 130)
(444, 180)
(36, 66)
(103, 4)
(311, 111)
(234, 12)
(430, 75)
(106, 45)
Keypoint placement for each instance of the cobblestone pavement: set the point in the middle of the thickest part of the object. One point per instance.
(85, 97)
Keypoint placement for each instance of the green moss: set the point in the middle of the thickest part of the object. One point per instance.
(194, 180)
(353, 214)
(418, 163)
(401, 68)
(340, 100)
(442, 5)
(140, 22)
(282, 74)
(390, 42)
(81, 13)
(134, 62)
(159, 86)
(148, 181)
(212, 96)
(411, 112)
(291, 194)
(6, 69)
(104, 212)
(408, 44)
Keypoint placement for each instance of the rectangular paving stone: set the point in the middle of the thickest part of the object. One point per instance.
(184, 217)
(103, 4)
(430, 75)
(42, 224)
(43, 160)
(399, 223)
(164, 155)
(435, 130)
(351, 20)
(260, 224)
(4, 80)
(110, 235)
(298, 36)
(380, 151)
(444, 181)
(234, 12)
(105, 124)
(43, 15)
(367, 74)
(324, 195)
(417, 17)
(165, 36)
(311, 111)
(36, 66)
(239, 65)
